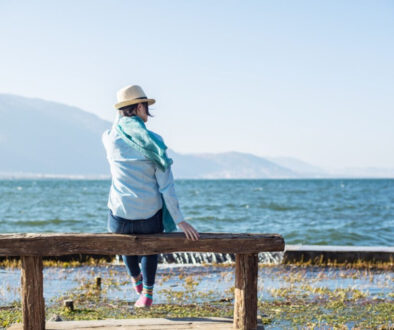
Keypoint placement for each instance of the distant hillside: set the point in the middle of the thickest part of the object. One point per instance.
(38, 136)
(229, 165)
(44, 137)
(299, 167)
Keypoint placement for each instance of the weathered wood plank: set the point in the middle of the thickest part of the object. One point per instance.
(33, 305)
(206, 323)
(245, 294)
(57, 244)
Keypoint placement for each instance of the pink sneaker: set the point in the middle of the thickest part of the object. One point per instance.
(143, 302)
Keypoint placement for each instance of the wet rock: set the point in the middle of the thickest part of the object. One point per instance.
(55, 318)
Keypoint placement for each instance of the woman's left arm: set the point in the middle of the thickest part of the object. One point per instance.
(165, 181)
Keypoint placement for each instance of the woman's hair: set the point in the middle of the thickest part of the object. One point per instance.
(130, 110)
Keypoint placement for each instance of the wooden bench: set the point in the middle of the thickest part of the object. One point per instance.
(32, 247)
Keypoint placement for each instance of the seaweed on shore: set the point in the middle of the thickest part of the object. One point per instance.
(12, 263)
(303, 300)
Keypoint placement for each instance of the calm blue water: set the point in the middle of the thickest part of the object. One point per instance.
(326, 212)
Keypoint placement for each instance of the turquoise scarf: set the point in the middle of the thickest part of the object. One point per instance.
(133, 131)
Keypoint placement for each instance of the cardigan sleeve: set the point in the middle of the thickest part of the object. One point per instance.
(165, 181)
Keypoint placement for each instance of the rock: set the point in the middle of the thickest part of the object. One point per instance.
(55, 318)
(69, 304)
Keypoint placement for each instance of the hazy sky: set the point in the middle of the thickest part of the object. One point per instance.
(306, 79)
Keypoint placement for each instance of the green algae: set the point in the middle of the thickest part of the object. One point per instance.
(293, 313)
(10, 314)
(302, 303)
(321, 307)
(12, 263)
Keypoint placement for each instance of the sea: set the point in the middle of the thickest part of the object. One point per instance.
(353, 212)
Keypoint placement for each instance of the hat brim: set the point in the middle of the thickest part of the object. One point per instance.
(135, 101)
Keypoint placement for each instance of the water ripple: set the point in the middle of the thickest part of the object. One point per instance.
(335, 212)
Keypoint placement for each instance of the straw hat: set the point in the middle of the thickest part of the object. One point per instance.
(132, 94)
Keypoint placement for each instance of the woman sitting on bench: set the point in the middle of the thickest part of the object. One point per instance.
(142, 197)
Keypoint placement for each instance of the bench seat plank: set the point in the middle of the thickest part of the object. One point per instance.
(58, 244)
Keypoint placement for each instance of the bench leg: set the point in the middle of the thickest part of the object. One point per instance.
(33, 305)
(245, 305)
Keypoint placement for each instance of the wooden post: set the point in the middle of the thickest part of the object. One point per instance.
(33, 305)
(245, 305)
(98, 283)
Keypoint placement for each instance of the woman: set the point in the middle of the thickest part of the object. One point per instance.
(142, 197)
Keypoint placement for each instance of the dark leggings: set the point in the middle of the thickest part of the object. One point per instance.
(151, 225)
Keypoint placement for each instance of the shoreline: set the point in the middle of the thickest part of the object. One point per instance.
(293, 254)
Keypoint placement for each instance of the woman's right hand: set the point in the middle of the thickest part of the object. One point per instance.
(189, 231)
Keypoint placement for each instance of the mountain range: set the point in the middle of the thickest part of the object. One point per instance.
(45, 138)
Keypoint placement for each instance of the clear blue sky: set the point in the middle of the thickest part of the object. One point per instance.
(306, 79)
